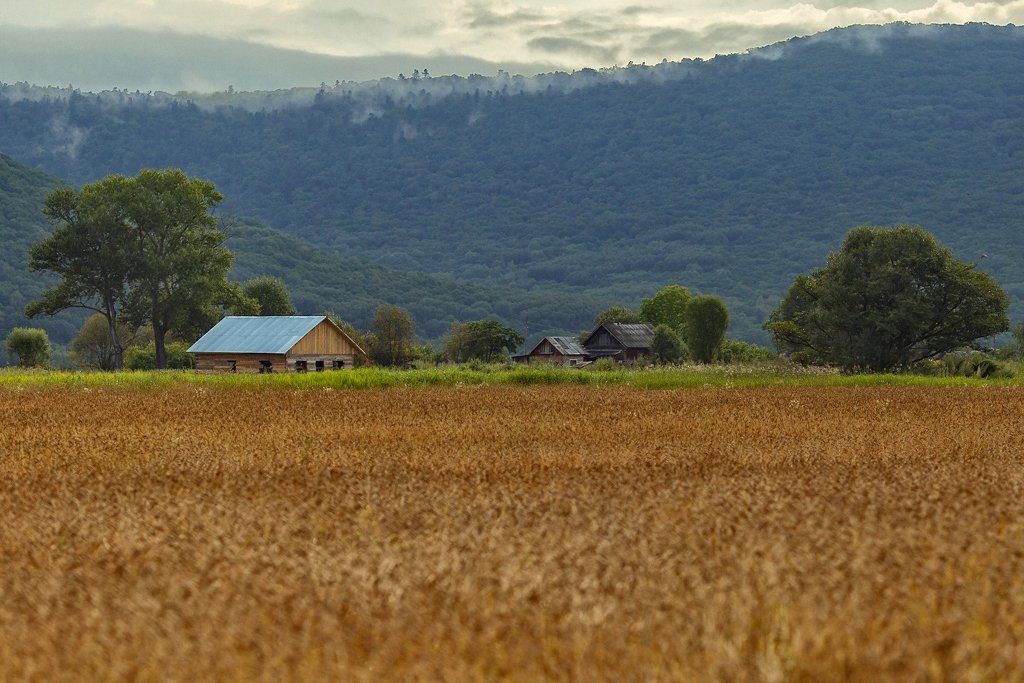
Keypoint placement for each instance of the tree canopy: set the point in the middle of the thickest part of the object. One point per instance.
(617, 314)
(31, 345)
(667, 307)
(93, 346)
(486, 340)
(707, 319)
(179, 280)
(667, 346)
(392, 337)
(270, 294)
(91, 249)
(888, 298)
(146, 247)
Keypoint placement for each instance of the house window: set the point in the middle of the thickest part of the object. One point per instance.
(339, 364)
(319, 366)
(266, 366)
(300, 366)
(232, 366)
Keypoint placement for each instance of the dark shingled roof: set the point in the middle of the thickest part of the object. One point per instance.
(567, 346)
(630, 335)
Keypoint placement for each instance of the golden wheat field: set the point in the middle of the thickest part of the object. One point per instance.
(517, 533)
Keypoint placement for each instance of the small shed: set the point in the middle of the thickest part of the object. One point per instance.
(621, 341)
(275, 343)
(559, 351)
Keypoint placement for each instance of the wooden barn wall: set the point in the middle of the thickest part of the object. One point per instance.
(221, 362)
(323, 340)
(547, 358)
(250, 363)
(347, 361)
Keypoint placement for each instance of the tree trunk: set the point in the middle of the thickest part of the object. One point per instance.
(115, 339)
(159, 335)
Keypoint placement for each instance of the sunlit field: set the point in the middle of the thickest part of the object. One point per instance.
(172, 529)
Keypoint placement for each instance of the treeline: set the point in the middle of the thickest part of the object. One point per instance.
(146, 253)
(731, 179)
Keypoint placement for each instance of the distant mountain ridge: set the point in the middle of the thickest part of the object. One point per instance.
(575, 191)
(93, 58)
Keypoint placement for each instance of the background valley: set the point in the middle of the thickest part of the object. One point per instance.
(540, 201)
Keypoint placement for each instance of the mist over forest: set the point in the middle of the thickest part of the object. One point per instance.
(538, 201)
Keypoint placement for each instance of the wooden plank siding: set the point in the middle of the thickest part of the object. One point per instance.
(251, 363)
(336, 361)
(324, 340)
(243, 363)
(547, 353)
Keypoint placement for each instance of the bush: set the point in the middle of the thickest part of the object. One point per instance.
(973, 364)
(144, 357)
(1014, 349)
(736, 351)
(31, 345)
(667, 346)
(604, 365)
(964, 364)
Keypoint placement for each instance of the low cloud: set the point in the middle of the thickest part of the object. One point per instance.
(574, 48)
(93, 59)
(571, 34)
(481, 17)
(343, 18)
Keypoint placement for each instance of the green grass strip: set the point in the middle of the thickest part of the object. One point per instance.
(687, 377)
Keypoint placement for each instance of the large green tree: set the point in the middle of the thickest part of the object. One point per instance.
(93, 346)
(707, 319)
(92, 249)
(667, 307)
(888, 298)
(486, 340)
(146, 247)
(271, 295)
(179, 280)
(393, 336)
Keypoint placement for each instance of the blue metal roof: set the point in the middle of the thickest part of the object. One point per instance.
(274, 334)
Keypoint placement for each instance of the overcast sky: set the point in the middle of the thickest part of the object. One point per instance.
(97, 41)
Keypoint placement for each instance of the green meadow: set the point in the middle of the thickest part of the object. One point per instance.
(682, 377)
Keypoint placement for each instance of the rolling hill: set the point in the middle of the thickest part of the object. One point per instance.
(565, 193)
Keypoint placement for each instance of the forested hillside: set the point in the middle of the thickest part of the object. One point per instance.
(318, 279)
(353, 287)
(729, 176)
(21, 225)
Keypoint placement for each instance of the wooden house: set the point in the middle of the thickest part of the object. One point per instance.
(559, 351)
(275, 343)
(622, 342)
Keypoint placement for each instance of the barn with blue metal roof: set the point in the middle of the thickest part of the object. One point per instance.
(275, 343)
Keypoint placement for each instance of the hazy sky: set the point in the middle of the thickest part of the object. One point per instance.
(568, 34)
